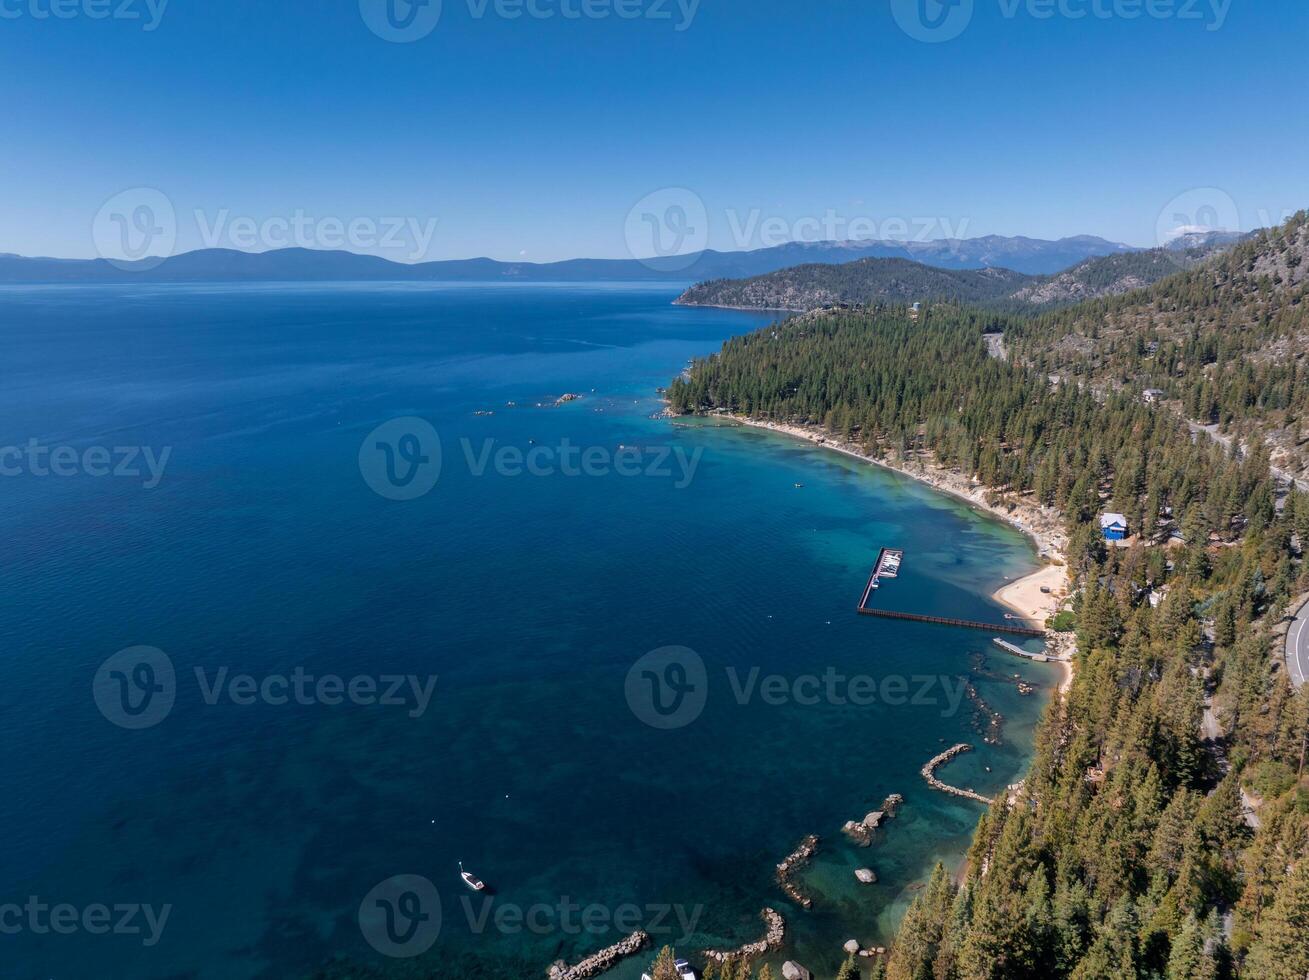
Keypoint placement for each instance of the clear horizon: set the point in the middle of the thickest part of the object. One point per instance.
(543, 130)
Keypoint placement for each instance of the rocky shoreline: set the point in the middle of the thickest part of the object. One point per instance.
(793, 862)
(599, 962)
(1044, 525)
(929, 773)
(773, 936)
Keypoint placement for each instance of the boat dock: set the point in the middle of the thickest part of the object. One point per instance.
(1018, 651)
(948, 621)
(888, 566)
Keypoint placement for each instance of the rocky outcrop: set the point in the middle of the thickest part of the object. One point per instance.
(861, 831)
(772, 940)
(794, 861)
(600, 962)
(929, 773)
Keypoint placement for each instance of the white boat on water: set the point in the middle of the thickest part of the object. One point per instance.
(472, 881)
(683, 970)
(890, 566)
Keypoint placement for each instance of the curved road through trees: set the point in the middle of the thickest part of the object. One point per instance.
(1297, 647)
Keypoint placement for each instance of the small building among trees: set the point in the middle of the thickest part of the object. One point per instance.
(1113, 527)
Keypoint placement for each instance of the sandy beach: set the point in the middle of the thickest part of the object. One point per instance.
(1027, 596)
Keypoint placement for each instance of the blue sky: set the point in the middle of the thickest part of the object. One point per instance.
(536, 136)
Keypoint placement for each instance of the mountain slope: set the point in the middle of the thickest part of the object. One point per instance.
(812, 286)
(1114, 275)
(1227, 342)
(808, 287)
(1023, 254)
(1126, 851)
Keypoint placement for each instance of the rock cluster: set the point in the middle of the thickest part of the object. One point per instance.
(772, 940)
(929, 773)
(861, 831)
(793, 863)
(600, 962)
(853, 948)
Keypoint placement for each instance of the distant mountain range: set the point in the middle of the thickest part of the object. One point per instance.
(813, 286)
(1031, 256)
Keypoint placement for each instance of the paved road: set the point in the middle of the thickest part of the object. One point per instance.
(1226, 442)
(1297, 647)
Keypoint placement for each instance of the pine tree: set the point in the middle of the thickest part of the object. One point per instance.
(1281, 947)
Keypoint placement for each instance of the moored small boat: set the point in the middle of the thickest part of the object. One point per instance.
(472, 881)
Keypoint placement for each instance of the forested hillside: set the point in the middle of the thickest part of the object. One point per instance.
(1127, 852)
(810, 287)
(1113, 275)
(1227, 342)
(869, 281)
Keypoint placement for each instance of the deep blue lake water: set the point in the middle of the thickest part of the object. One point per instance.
(528, 581)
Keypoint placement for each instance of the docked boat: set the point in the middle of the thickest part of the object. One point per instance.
(890, 566)
(684, 971)
(472, 881)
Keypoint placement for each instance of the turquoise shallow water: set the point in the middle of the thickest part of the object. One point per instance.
(262, 549)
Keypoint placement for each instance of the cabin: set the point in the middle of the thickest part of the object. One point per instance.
(1152, 395)
(1113, 527)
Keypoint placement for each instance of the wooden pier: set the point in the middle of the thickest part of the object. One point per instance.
(873, 580)
(948, 621)
(1020, 652)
